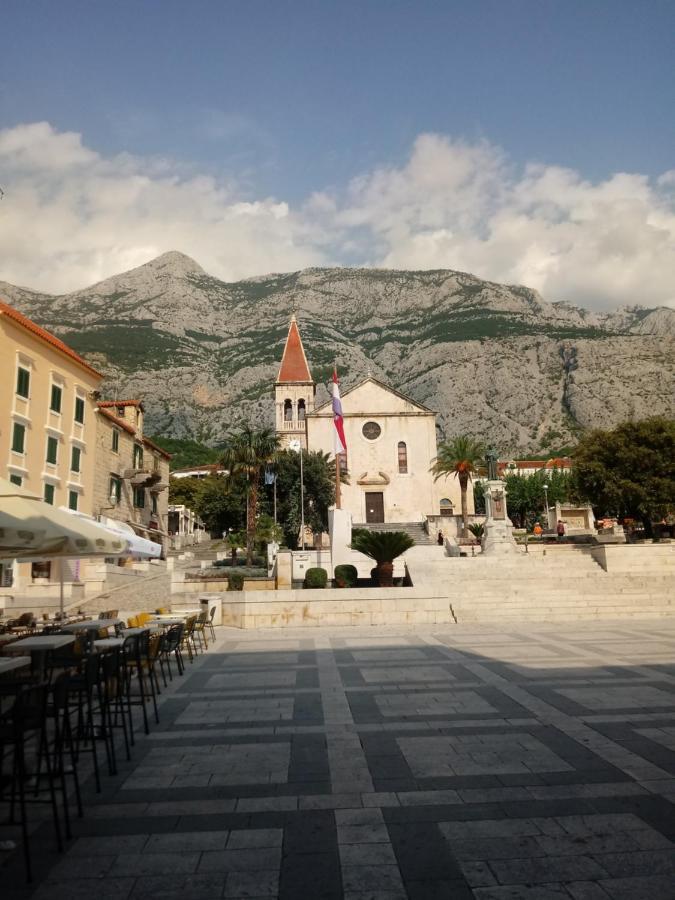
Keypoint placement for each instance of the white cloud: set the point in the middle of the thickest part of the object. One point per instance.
(72, 216)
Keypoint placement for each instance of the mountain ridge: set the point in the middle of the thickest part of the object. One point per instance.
(498, 361)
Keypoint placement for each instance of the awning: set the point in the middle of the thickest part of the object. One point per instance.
(137, 546)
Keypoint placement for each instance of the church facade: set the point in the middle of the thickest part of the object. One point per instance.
(391, 443)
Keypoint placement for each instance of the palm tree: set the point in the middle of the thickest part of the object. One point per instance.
(460, 457)
(247, 452)
(383, 547)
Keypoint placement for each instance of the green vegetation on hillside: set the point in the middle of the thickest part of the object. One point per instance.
(128, 345)
(186, 452)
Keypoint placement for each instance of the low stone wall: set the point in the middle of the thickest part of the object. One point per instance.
(635, 558)
(216, 585)
(349, 606)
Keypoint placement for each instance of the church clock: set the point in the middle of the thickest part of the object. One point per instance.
(371, 431)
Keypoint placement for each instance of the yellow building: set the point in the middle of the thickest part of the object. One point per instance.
(47, 413)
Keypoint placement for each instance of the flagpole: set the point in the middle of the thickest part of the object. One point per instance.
(337, 481)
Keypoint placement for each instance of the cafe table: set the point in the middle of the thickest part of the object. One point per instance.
(91, 624)
(39, 645)
(9, 663)
(109, 643)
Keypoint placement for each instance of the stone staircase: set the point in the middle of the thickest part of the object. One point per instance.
(565, 584)
(415, 530)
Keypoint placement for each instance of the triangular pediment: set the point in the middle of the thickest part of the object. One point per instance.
(370, 397)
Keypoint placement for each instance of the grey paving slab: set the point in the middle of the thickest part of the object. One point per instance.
(411, 762)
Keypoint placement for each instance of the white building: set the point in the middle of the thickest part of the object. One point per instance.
(391, 443)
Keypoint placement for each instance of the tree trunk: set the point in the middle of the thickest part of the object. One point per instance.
(250, 521)
(385, 574)
(463, 483)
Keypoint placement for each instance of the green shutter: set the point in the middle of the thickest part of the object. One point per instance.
(49, 494)
(73, 498)
(16, 479)
(52, 450)
(18, 438)
(115, 440)
(55, 404)
(79, 410)
(75, 455)
(23, 382)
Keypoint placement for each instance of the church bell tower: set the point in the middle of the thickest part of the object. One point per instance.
(294, 390)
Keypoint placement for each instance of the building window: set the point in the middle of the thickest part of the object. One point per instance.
(301, 410)
(52, 450)
(23, 382)
(41, 570)
(402, 458)
(19, 438)
(139, 497)
(75, 459)
(115, 490)
(371, 431)
(153, 502)
(288, 411)
(446, 507)
(73, 499)
(16, 479)
(49, 494)
(115, 441)
(6, 575)
(79, 410)
(57, 397)
(138, 456)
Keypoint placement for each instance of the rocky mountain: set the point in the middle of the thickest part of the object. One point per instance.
(496, 361)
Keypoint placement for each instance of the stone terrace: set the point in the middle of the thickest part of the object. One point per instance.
(445, 762)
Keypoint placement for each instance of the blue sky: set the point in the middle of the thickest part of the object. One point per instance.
(286, 99)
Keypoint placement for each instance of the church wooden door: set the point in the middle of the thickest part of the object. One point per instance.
(374, 506)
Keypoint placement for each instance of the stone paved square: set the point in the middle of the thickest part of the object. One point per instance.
(504, 754)
(463, 762)
(433, 704)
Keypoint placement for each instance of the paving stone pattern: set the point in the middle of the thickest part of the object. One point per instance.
(464, 763)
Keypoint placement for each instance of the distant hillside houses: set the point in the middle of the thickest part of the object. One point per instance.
(525, 467)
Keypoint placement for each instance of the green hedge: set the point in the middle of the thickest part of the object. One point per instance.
(346, 576)
(235, 581)
(316, 578)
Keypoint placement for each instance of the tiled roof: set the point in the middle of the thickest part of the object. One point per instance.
(108, 403)
(154, 446)
(46, 336)
(113, 418)
(294, 362)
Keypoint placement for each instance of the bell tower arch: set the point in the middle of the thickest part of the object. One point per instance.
(294, 390)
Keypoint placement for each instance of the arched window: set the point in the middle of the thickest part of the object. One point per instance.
(301, 410)
(446, 507)
(288, 411)
(402, 458)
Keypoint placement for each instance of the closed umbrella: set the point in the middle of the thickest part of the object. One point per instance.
(31, 529)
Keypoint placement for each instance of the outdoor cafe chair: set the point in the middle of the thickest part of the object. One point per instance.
(21, 727)
(188, 642)
(211, 618)
(171, 644)
(200, 630)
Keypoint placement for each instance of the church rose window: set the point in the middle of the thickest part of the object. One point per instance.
(288, 411)
(371, 431)
(402, 458)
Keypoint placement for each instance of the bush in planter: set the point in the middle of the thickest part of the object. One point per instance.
(384, 547)
(346, 576)
(316, 578)
(235, 581)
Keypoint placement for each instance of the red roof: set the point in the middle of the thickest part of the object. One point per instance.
(113, 418)
(29, 325)
(154, 446)
(294, 362)
(110, 403)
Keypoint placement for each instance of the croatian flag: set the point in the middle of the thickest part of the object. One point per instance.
(338, 422)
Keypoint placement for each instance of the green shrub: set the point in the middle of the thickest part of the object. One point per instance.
(316, 578)
(235, 581)
(346, 576)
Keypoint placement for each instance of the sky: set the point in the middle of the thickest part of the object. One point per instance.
(525, 141)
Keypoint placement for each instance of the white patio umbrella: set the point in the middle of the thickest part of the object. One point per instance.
(32, 530)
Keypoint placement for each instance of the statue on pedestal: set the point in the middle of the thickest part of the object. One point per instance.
(498, 533)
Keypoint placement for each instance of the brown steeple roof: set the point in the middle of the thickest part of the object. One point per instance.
(294, 362)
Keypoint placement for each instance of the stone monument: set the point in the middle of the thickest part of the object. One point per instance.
(498, 534)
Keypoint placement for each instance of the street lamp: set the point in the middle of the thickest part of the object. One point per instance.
(296, 446)
(546, 500)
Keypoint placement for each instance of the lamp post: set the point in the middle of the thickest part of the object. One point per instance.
(296, 446)
(545, 486)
